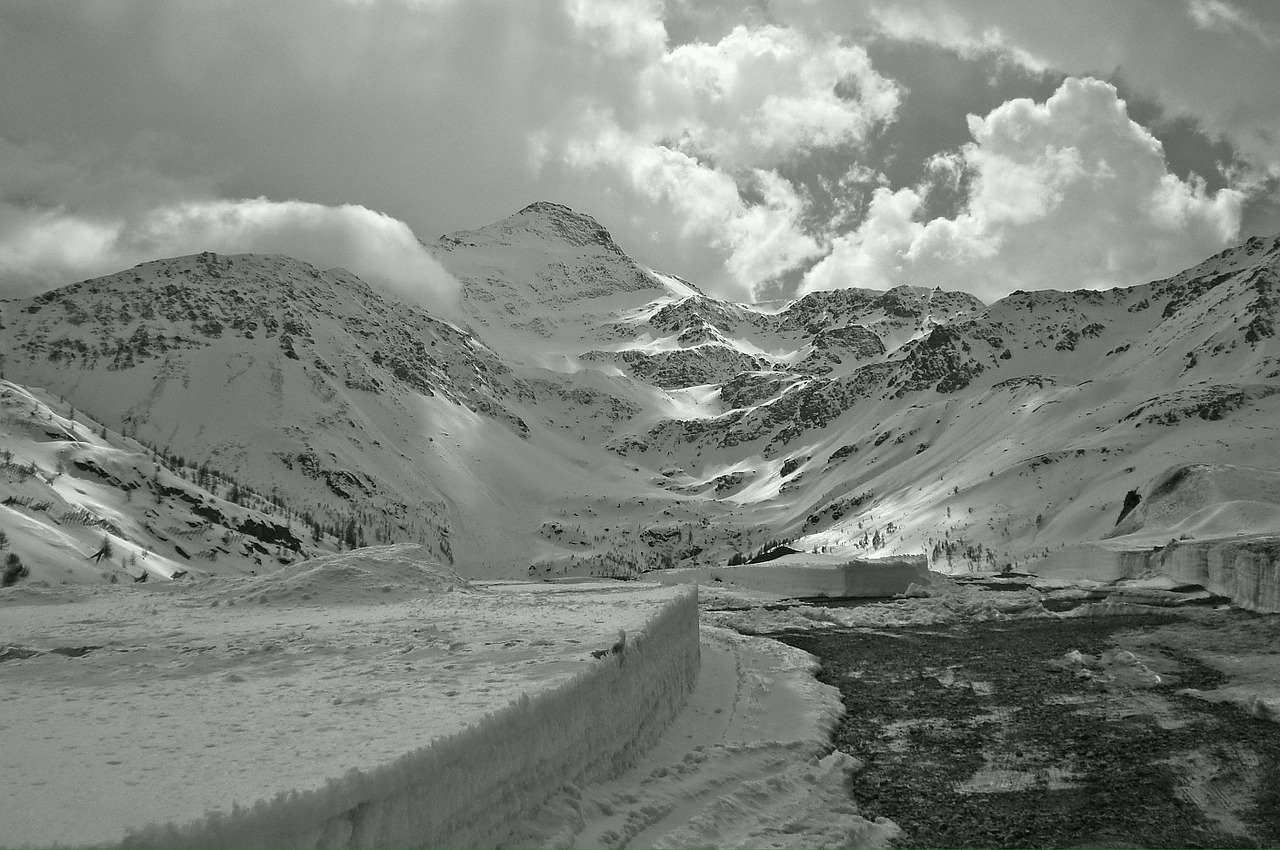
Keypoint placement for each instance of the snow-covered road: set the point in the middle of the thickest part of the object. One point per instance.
(747, 763)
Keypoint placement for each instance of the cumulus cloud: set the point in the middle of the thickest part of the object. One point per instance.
(1069, 193)
(709, 137)
(1215, 64)
(760, 95)
(761, 240)
(709, 126)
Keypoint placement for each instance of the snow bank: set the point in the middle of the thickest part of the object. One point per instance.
(748, 763)
(373, 574)
(1081, 561)
(814, 575)
(806, 804)
(469, 788)
(389, 708)
(1246, 570)
(798, 796)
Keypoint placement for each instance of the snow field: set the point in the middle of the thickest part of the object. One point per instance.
(292, 714)
(470, 788)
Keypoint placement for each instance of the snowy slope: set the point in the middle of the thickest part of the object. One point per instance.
(80, 503)
(309, 385)
(593, 415)
(914, 419)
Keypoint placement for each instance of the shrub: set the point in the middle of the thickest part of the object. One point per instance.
(14, 570)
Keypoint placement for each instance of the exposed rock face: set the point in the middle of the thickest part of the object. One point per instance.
(834, 347)
(684, 367)
(1131, 501)
(171, 313)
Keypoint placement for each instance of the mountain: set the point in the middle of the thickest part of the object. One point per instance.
(912, 419)
(591, 414)
(82, 503)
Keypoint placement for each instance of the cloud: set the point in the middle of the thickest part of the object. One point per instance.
(379, 249)
(450, 115)
(419, 110)
(44, 248)
(760, 95)
(1066, 194)
(708, 127)
(1227, 87)
(620, 27)
(1215, 15)
(760, 240)
(941, 25)
(1220, 16)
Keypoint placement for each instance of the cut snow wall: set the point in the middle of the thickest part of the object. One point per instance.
(469, 789)
(1245, 571)
(789, 576)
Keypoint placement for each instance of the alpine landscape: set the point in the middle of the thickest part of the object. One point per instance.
(316, 531)
(591, 416)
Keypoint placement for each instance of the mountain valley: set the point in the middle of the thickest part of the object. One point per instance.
(579, 413)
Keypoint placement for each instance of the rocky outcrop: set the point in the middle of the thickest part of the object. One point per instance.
(683, 367)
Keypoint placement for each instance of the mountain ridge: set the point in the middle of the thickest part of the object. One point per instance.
(591, 414)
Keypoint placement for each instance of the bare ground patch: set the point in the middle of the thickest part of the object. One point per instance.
(996, 735)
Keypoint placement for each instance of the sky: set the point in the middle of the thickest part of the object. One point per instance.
(761, 149)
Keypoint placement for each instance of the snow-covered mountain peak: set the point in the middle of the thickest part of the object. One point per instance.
(604, 416)
(544, 278)
(540, 222)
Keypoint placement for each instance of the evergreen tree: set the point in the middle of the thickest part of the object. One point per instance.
(105, 550)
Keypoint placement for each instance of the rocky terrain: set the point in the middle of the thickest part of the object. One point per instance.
(589, 414)
(1085, 732)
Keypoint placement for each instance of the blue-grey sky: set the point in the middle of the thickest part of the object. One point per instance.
(759, 149)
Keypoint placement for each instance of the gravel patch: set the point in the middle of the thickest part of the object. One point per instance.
(1049, 733)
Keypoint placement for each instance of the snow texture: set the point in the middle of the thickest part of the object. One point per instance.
(748, 763)
(468, 789)
(1244, 569)
(370, 698)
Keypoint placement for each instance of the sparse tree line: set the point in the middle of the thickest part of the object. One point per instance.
(975, 554)
(762, 553)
